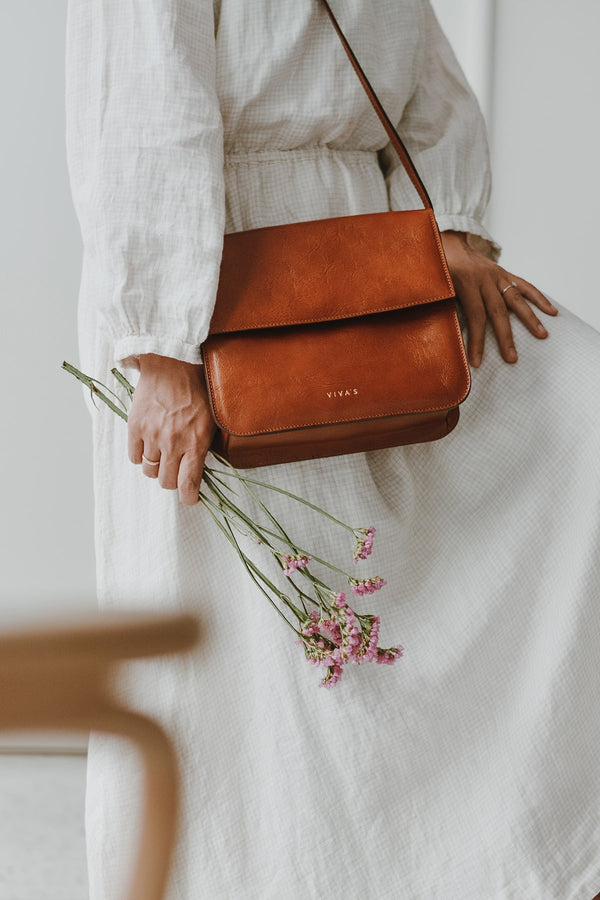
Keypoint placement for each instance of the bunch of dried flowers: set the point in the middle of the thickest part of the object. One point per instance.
(331, 632)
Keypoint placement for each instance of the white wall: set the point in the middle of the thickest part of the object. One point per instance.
(546, 127)
(46, 543)
(536, 69)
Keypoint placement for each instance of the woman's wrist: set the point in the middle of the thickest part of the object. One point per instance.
(152, 363)
(453, 239)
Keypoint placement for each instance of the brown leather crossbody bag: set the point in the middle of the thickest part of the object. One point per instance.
(337, 335)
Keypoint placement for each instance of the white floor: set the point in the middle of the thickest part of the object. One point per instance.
(42, 847)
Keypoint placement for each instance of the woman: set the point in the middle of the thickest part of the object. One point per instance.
(470, 769)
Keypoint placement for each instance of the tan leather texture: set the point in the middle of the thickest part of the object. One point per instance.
(317, 271)
(346, 339)
(334, 440)
(387, 364)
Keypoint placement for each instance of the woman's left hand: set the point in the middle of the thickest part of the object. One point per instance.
(485, 290)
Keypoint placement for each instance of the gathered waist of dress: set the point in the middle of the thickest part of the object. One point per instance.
(238, 157)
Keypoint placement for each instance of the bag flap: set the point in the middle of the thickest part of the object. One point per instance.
(329, 269)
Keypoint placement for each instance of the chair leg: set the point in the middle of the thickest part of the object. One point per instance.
(161, 799)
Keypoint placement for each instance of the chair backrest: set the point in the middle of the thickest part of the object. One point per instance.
(58, 677)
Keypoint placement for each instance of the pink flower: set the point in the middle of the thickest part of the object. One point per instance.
(291, 563)
(367, 586)
(389, 657)
(371, 650)
(339, 636)
(364, 542)
(331, 630)
(333, 676)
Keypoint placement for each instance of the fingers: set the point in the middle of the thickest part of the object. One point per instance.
(169, 469)
(479, 303)
(533, 295)
(135, 448)
(151, 461)
(472, 304)
(517, 303)
(185, 475)
(176, 472)
(495, 304)
(145, 454)
(189, 478)
(519, 298)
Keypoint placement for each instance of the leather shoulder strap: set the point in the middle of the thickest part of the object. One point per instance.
(383, 116)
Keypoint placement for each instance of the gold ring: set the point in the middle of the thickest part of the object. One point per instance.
(150, 462)
(513, 284)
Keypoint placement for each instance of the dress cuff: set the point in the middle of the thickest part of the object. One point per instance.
(477, 236)
(127, 349)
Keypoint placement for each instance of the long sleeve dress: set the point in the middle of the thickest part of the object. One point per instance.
(470, 769)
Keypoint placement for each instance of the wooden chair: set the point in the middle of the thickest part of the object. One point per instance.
(59, 678)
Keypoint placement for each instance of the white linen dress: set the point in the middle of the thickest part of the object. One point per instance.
(470, 769)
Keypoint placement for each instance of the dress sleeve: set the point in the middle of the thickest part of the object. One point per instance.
(444, 132)
(144, 142)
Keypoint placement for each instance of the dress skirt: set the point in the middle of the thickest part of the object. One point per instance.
(467, 771)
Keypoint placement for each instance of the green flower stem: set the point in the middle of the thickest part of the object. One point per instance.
(265, 531)
(315, 582)
(233, 517)
(301, 551)
(303, 597)
(266, 510)
(271, 487)
(123, 382)
(92, 383)
(253, 570)
(230, 537)
(255, 573)
(259, 530)
(237, 512)
(215, 476)
(300, 615)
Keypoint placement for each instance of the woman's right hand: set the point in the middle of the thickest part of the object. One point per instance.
(170, 423)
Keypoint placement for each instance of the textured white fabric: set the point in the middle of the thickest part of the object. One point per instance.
(469, 770)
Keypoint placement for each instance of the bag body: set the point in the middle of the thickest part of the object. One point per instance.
(334, 336)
